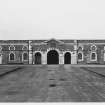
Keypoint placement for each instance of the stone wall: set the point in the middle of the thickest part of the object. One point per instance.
(87, 53)
(43, 46)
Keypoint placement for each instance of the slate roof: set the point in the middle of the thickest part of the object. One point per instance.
(72, 41)
(13, 41)
(39, 41)
(91, 41)
(67, 41)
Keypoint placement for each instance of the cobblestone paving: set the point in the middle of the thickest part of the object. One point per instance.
(59, 83)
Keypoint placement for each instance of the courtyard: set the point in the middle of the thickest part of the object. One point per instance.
(52, 83)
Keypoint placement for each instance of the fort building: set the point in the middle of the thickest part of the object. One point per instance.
(52, 52)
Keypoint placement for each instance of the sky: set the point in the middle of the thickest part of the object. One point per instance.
(46, 19)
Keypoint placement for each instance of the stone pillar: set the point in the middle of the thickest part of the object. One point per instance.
(44, 58)
(61, 58)
(74, 55)
(30, 53)
(74, 58)
(0, 58)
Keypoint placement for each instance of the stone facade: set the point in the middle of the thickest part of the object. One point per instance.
(52, 51)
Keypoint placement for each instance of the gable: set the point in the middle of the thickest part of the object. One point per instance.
(54, 41)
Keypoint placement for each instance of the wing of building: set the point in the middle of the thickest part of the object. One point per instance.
(52, 51)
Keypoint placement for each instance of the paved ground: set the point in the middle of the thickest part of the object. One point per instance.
(52, 84)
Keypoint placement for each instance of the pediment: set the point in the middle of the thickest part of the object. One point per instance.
(53, 41)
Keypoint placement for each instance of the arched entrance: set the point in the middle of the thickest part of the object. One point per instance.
(67, 58)
(52, 57)
(38, 58)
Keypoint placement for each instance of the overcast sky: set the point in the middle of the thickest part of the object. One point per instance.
(45, 19)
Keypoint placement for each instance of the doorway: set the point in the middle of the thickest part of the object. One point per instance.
(67, 58)
(52, 57)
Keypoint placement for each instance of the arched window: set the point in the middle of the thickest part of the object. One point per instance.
(25, 56)
(80, 56)
(93, 56)
(12, 47)
(12, 56)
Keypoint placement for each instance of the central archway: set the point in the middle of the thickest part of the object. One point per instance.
(52, 57)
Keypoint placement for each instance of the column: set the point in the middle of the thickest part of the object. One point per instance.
(0, 58)
(44, 58)
(30, 53)
(61, 58)
(74, 54)
(73, 58)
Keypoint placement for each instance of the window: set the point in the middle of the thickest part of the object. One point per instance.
(12, 56)
(25, 56)
(25, 48)
(93, 48)
(12, 47)
(93, 56)
(80, 56)
(80, 48)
